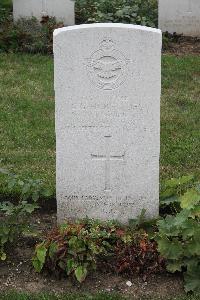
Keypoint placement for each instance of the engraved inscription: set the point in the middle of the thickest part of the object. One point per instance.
(107, 67)
(95, 113)
(107, 159)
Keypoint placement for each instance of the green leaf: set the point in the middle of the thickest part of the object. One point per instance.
(63, 227)
(41, 252)
(197, 233)
(195, 212)
(181, 218)
(20, 182)
(37, 264)
(29, 208)
(175, 182)
(71, 265)
(26, 188)
(4, 239)
(169, 192)
(193, 248)
(186, 179)
(81, 273)
(3, 256)
(189, 199)
(170, 249)
(198, 187)
(192, 279)
(73, 241)
(6, 229)
(76, 245)
(35, 196)
(169, 200)
(168, 226)
(11, 184)
(30, 232)
(174, 266)
(53, 248)
(188, 229)
(47, 193)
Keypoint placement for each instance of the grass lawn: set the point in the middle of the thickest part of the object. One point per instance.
(16, 296)
(27, 138)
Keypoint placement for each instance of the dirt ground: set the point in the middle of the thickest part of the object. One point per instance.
(17, 273)
(181, 45)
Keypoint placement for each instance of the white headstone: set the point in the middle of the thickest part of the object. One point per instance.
(180, 16)
(62, 10)
(107, 86)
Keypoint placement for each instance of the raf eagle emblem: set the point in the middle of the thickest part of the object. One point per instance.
(107, 67)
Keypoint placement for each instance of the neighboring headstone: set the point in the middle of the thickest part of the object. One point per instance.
(180, 16)
(62, 10)
(107, 87)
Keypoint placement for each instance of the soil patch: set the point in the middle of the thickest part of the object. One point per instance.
(181, 45)
(17, 273)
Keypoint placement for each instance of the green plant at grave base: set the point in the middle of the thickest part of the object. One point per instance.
(14, 220)
(78, 248)
(117, 11)
(179, 238)
(168, 38)
(171, 190)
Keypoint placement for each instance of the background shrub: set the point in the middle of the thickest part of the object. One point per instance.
(27, 35)
(141, 12)
(31, 36)
(6, 4)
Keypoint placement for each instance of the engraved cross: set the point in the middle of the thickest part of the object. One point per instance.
(107, 158)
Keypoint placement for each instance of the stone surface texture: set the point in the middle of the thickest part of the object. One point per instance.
(62, 10)
(180, 16)
(107, 88)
